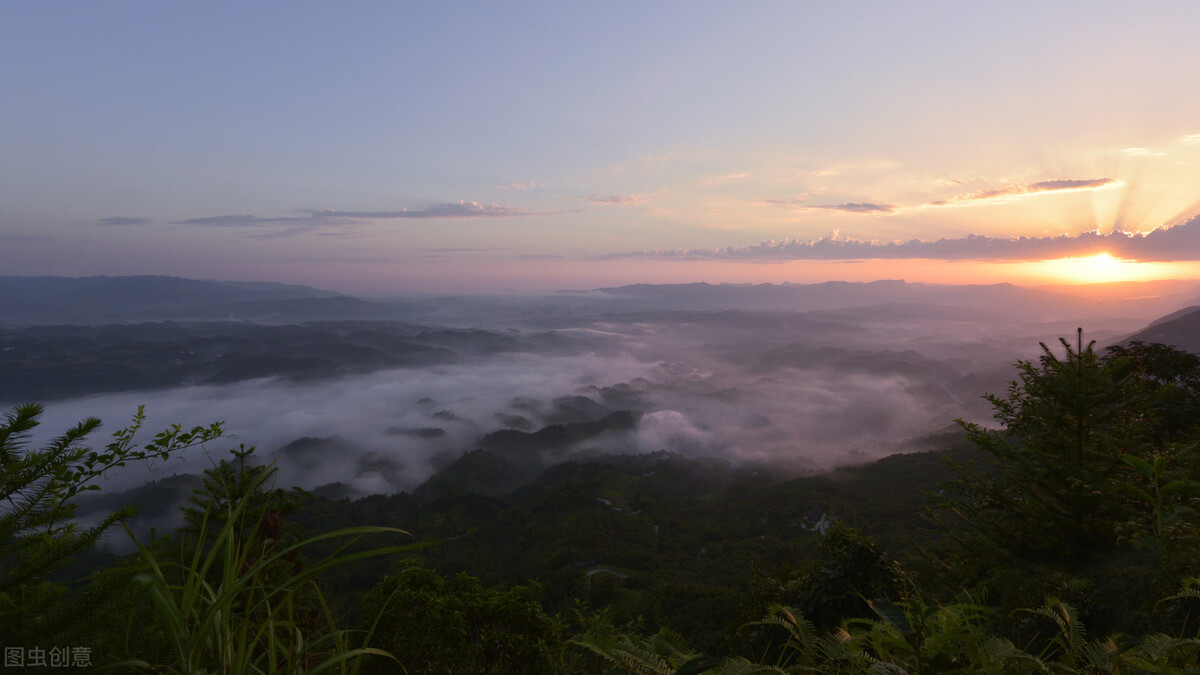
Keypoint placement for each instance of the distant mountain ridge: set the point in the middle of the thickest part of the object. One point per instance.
(1179, 329)
(46, 300)
(104, 299)
(149, 289)
(1140, 298)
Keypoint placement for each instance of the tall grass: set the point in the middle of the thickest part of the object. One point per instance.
(238, 603)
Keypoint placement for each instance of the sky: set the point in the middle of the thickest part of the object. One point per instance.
(383, 148)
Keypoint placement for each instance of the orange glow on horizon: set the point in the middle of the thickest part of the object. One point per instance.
(1098, 268)
(539, 276)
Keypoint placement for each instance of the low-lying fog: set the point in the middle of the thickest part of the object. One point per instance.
(744, 375)
(375, 397)
(801, 391)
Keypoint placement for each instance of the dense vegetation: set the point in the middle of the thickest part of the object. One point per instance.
(1066, 539)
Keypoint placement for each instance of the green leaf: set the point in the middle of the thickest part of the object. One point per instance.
(1141, 493)
(700, 664)
(1140, 465)
(891, 614)
(1177, 486)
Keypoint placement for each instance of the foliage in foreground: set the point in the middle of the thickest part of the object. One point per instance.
(914, 638)
(243, 600)
(231, 593)
(38, 491)
(436, 624)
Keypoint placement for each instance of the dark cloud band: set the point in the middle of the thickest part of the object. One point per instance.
(1181, 242)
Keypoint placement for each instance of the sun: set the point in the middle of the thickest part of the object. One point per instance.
(1095, 269)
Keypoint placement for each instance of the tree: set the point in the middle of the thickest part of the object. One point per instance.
(237, 506)
(1084, 481)
(1051, 489)
(434, 624)
(229, 484)
(1166, 383)
(848, 572)
(38, 489)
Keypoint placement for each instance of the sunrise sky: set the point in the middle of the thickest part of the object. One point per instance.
(378, 148)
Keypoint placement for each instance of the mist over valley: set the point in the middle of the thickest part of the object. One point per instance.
(356, 406)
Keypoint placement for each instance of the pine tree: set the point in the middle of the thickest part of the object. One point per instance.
(38, 491)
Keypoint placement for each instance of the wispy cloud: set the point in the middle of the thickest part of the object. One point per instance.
(124, 220)
(615, 199)
(529, 185)
(723, 179)
(1070, 184)
(315, 219)
(249, 221)
(472, 249)
(801, 204)
(1002, 194)
(1142, 152)
(1009, 193)
(458, 209)
(1181, 242)
(860, 166)
(854, 207)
